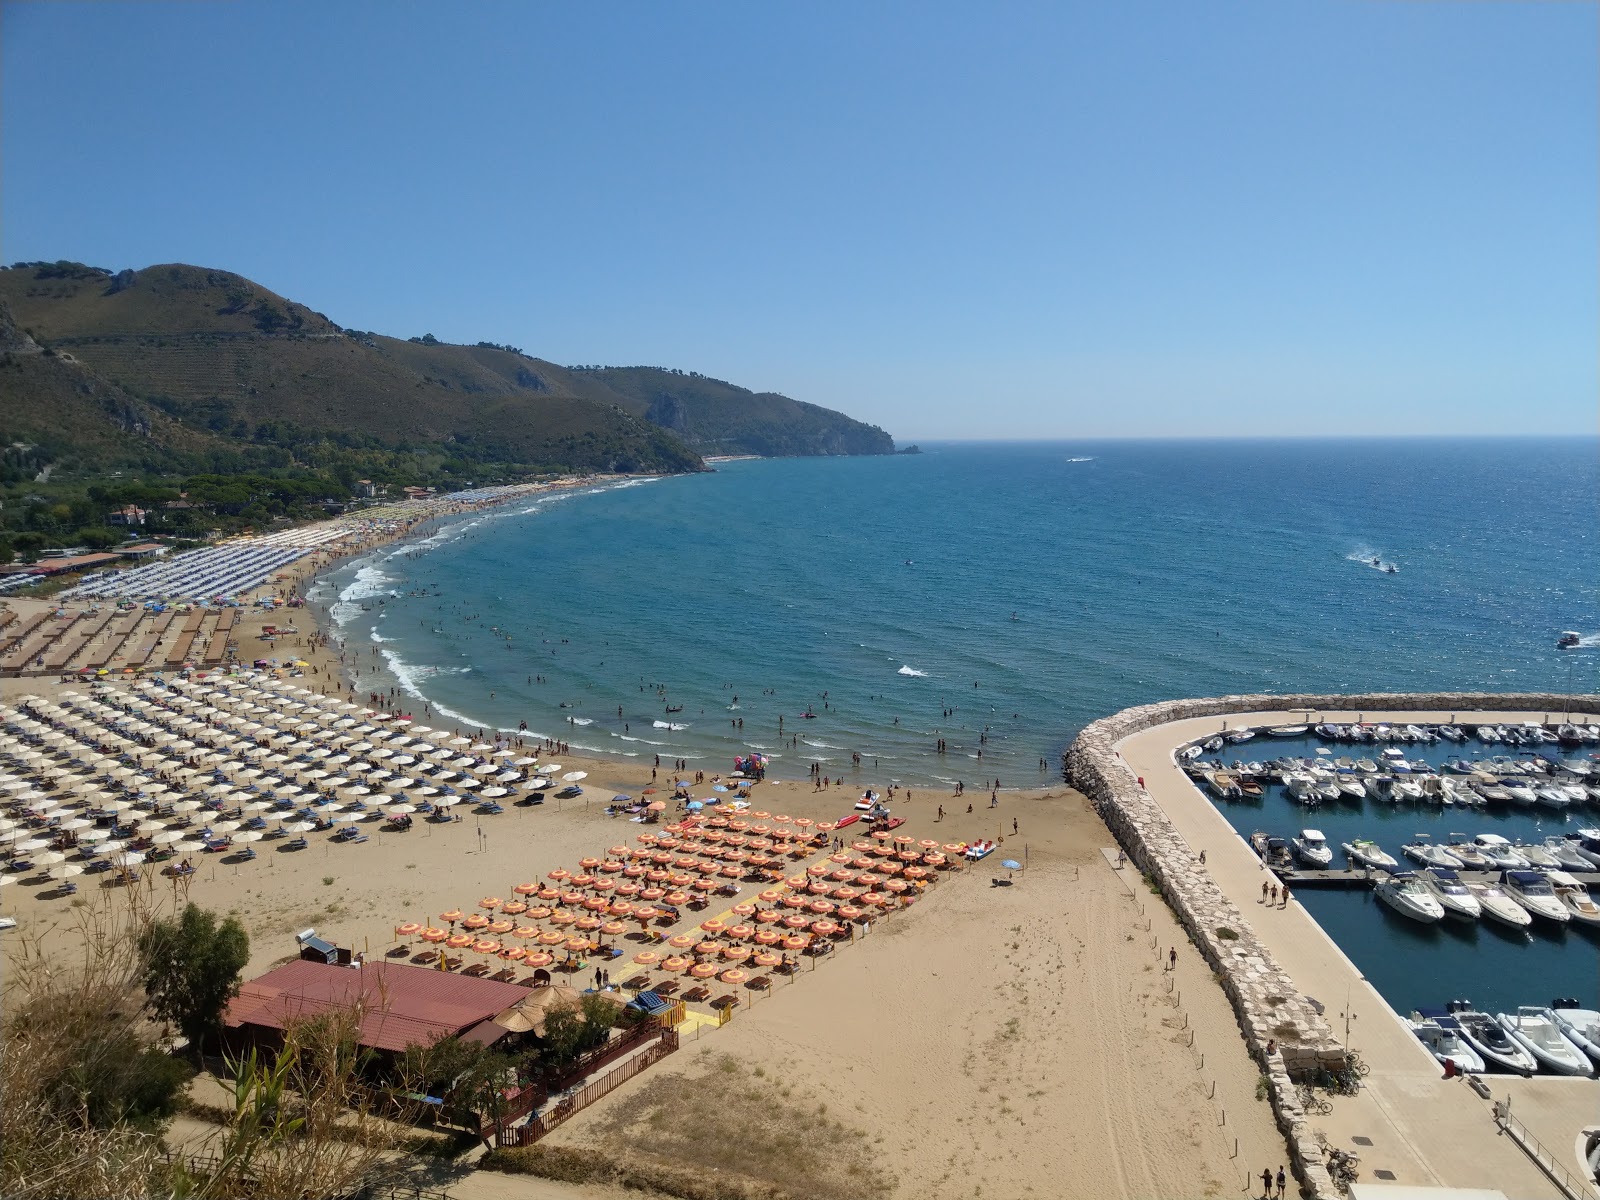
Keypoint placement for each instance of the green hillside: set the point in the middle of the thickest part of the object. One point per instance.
(211, 360)
(720, 418)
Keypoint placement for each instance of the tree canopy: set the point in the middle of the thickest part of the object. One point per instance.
(190, 967)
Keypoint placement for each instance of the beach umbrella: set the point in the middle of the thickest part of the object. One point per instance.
(249, 835)
(66, 870)
(1009, 864)
(574, 776)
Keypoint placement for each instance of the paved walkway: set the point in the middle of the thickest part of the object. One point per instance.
(1422, 1129)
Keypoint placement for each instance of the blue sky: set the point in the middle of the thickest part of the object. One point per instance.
(1013, 220)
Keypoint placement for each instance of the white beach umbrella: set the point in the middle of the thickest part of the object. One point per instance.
(299, 827)
(494, 793)
(66, 870)
(166, 837)
(574, 776)
(50, 858)
(189, 847)
(248, 835)
(447, 801)
(400, 810)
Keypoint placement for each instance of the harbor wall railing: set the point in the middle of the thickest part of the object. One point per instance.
(1266, 1003)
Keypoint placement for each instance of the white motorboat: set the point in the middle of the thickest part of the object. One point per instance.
(1498, 906)
(1579, 905)
(1492, 1043)
(1443, 1039)
(1566, 855)
(1312, 848)
(1580, 1025)
(1407, 895)
(1369, 854)
(1538, 857)
(1541, 1037)
(1406, 788)
(1469, 856)
(1453, 895)
(1350, 787)
(1519, 792)
(1287, 731)
(1550, 796)
(1381, 787)
(1302, 787)
(1491, 791)
(1499, 852)
(1430, 855)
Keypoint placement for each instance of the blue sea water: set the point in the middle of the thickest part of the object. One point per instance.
(1000, 597)
(996, 596)
(1414, 965)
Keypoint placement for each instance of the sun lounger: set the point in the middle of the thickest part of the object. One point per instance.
(761, 982)
(696, 994)
(298, 843)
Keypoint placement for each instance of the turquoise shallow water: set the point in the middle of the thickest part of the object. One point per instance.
(1065, 580)
(1414, 965)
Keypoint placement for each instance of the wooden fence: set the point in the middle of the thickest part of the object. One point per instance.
(538, 1125)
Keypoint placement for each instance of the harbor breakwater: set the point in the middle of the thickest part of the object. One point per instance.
(1266, 1002)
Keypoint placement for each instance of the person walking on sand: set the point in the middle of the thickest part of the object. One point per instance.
(1172, 958)
(1274, 893)
(1285, 903)
(1282, 1182)
(1266, 1183)
(1264, 887)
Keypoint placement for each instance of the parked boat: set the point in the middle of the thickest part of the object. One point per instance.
(1469, 856)
(1493, 1044)
(1369, 854)
(1575, 897)
(1541, 1037)
(1287, 731)
(1407, 895)
(1442, 1037)
(1498, 906)
(1430, 855)
(1274, 851)
(1538, 857)
(1566, 855)
(1499, 852)
(1580, 1025)
(1312, 848)
(1453, 895)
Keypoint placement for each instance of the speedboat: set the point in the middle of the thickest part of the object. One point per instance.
(1452, 895)
(1312, 848)
(1442, 1037)
(1587, 846)
(1369, 854)
(1407, 895)
(1479, 1031)
(1430, 855)
(1273, 851)
(1566, 855)
(1499, 852)
(1470, 856)
(1498, 906)
(1287, 731)
(1538, 857)
(1575, 897)
(1382, 787)
(1580, 1025)
(1540, 1036)
(1490, 790)
(1570, 639)
(1407, 789)
(1551, 796)
(1350, 787)
(1519, 791)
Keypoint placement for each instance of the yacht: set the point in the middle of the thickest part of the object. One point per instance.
(1586, 845)
(1498, 906)
(1442, 1037)
(1575, 897)
(1499, 852)
(1429, 855)
(1541, 1037)
(1369, 854)
(1407, 895)
(1312, 848)
(1580, 1025)
(1453, 895)
(1480, 1031)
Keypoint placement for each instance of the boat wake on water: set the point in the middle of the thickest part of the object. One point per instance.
(673, 725)
(913, 672)
(1368, 557)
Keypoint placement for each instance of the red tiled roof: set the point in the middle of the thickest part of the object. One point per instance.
(400, 1004)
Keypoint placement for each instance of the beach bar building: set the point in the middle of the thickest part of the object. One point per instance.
(398, 1005)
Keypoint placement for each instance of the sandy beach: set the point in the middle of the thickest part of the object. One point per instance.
(1013, 1033)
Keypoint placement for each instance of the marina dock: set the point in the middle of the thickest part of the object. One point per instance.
(1367, 876)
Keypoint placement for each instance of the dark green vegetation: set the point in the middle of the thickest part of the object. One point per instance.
(177, 370)
(191, 965)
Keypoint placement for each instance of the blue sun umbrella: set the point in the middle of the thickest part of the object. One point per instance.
(620, 799)
(1011, 864)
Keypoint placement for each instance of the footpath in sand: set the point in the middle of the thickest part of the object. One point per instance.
(1421, 1129)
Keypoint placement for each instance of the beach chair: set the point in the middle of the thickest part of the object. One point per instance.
(761, 983)
(356, 837)
(696, 994)
(298, 843)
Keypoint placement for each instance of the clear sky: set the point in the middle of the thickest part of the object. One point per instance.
(982, 220)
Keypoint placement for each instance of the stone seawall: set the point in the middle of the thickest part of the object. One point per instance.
(1265, 1000)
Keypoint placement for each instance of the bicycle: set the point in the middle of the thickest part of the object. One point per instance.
(1313, 1103)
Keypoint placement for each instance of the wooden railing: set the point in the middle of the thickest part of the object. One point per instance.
(538, 1125)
